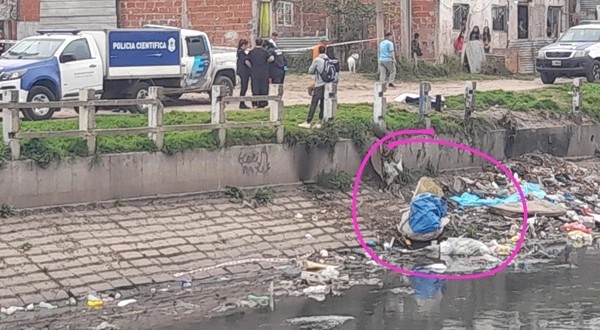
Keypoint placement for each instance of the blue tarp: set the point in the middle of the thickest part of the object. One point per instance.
(426, 213)
(470, 200)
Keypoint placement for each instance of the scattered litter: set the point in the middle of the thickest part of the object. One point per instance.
(299, 216)
(308, 236)
(465, 247)
(309, 265)
(107, 326)
(324, 322)
(118, 296)
(126, 302)
(152, 290)
(93, 301)
(406, 291)
(186, 284)
(30, 307)
(71, 302)
(11, 310)
(47, 305)
(253, 301)
(324, 254)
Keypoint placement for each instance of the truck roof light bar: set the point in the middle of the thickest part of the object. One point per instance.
(588, 21)
(155, 26)
(59, 31)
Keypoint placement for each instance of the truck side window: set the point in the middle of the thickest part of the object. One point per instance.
(196, 46)
(80, 49)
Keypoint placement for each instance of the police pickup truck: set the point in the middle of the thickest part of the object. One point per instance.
(575, 54)
(116, 63)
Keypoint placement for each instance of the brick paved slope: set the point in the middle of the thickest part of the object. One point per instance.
(49, 256)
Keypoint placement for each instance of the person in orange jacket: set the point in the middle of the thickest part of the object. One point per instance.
(323, 42)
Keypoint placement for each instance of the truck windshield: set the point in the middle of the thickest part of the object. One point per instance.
(34, 48)
(581, 35)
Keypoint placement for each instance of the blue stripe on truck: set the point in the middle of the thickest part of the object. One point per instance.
(144, 48)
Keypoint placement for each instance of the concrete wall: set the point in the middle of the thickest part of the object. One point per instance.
(120, 176)
(481, 15)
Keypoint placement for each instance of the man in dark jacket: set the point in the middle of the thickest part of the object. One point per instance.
(279, 66)
(259, 61)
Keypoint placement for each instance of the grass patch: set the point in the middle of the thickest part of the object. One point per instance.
(553, 99)
(353, 122)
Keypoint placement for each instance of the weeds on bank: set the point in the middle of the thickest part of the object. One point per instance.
(354, 122)
(335, 180)
(262, 196)
(7, 211)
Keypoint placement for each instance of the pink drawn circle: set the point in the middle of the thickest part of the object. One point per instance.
(452, 144)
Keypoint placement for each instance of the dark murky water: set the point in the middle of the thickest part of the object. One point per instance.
(549, 297)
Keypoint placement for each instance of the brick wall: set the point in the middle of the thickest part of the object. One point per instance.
(29, 10)
(424, 23)
(224, 21)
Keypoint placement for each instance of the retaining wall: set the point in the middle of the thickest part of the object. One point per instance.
(120, 176)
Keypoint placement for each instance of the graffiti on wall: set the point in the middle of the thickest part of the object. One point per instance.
(8, 9)
(255, 162)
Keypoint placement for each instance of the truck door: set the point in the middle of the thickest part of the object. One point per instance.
(197, 61)
(79, 69)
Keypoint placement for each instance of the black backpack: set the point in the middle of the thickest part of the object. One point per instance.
(330, 70)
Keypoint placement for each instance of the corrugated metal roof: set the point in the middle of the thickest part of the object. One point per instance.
(80, 14)
(589, 4)
(297, 43)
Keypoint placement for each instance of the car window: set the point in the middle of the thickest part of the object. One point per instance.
(581, 35)
(80, 49)
(196, 46)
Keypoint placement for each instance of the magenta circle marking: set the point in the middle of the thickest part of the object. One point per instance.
(448, 143)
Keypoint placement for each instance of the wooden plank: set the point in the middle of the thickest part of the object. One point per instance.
(237, 99)
(50, 134)
(72, 104)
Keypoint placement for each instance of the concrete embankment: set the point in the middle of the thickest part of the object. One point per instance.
(121, 176)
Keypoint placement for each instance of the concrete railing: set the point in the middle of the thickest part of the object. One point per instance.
(380, 102)
(12, 135)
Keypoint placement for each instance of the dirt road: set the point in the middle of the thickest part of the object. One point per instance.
(352, 89)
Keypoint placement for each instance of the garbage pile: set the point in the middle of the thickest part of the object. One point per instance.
(474, 222)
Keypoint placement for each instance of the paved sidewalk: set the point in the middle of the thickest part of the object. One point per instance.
(49, 256)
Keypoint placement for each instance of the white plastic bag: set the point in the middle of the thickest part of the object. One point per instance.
(466, 247)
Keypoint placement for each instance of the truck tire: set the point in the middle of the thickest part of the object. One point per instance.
(40, 94)
(594, 74)
(139, 91)
(224, 81)
(548, 78)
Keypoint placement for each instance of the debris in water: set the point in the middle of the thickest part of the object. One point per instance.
(126, 302)
(324, 322)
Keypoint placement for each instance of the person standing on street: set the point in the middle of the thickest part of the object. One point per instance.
(258, 62)
(243, 71)
(387, 61)
(273, 40)
(325, 72)
(279, 66)
(323, 42)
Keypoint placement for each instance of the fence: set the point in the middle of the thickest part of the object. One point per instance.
(12, 135)
(380, 102)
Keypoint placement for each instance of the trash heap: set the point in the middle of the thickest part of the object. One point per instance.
(475, 221)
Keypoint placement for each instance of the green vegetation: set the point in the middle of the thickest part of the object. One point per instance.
(335, 180)
(553, 99)
(7, 211)
(262, 196)
(353, 122)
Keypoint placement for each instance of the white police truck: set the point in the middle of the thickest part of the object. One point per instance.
(575, 54)
(116, 63)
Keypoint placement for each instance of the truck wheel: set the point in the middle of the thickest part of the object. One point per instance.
(139, 91)
(594, 74)
(40, 94)
(548, 78)
(225, 81)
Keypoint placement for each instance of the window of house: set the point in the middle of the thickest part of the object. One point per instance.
(459, 18)
(499, 18)
(553, 22)
(285, 13)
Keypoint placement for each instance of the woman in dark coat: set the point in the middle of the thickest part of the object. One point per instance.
(243, 71)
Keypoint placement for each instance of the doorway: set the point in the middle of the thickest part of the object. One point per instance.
(523, 21)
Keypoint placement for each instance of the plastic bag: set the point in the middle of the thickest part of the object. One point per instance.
(463, 247)
(426, 213)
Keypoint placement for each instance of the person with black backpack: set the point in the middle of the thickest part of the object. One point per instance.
(326, 70)
(279, 66)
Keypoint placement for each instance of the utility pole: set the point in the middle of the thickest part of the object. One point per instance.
(380, 23)
(184, 15)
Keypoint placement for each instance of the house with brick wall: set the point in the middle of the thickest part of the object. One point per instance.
(518, 27)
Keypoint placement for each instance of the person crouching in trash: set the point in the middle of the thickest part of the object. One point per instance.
(424, 221)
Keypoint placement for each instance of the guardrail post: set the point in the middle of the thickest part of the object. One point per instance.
(10, 123)
(276, 110)
(155, 117)
(577, 95)
(379, 105)
(425, 103)
(470, 88)
(330, 106)
(87, 118)
(218, 113)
